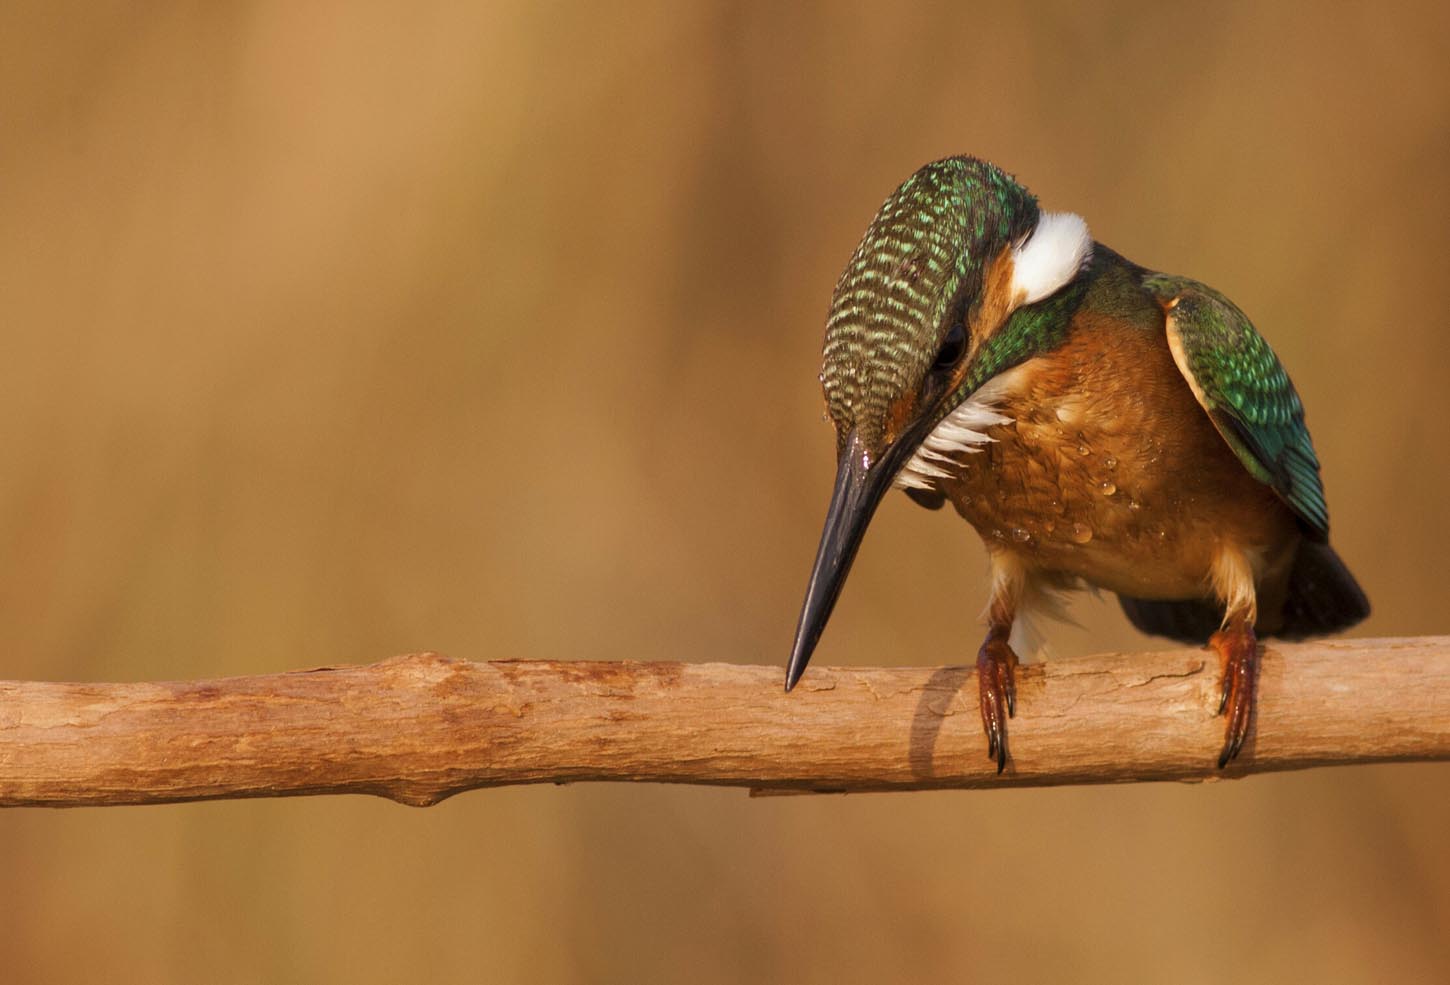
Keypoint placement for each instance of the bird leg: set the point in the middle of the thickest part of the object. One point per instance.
(997, 690)
(1238, 647)
(997, 661)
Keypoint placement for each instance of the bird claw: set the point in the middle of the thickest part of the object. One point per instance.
(997, 691)
(1240, 652)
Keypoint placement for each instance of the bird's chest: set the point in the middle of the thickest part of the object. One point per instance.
(1111, 472)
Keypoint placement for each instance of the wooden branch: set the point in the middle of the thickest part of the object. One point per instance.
(420, 728)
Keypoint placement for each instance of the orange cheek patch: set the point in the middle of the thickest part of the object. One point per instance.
(997, 301)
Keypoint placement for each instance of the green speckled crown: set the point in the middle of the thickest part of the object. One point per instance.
(922, 257)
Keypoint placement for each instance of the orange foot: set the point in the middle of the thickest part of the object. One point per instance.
(997, 687)
(1240, 652)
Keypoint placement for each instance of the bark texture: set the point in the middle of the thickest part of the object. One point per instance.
(420, 728)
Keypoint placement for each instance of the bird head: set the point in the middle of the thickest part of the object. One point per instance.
(951, 285)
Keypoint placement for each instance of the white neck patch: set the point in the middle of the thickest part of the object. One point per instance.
(1053, 254)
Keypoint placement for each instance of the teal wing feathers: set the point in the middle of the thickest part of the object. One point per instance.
(1247, 394)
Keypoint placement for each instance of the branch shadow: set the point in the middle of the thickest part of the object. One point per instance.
(934, 706)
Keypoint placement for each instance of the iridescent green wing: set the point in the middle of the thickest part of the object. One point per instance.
(1246, 392)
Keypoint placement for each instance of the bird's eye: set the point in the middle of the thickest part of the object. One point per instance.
(952, 347)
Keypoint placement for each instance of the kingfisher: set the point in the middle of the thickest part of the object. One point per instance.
(1099, 424)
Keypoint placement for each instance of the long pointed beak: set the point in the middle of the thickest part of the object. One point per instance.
(860, 486)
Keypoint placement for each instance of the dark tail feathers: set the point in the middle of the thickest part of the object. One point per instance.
(1323, 597)
(1192, 621)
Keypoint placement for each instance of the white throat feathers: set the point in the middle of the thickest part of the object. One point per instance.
(962, 432)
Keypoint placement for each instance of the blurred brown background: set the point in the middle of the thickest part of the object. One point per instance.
(338, 331)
